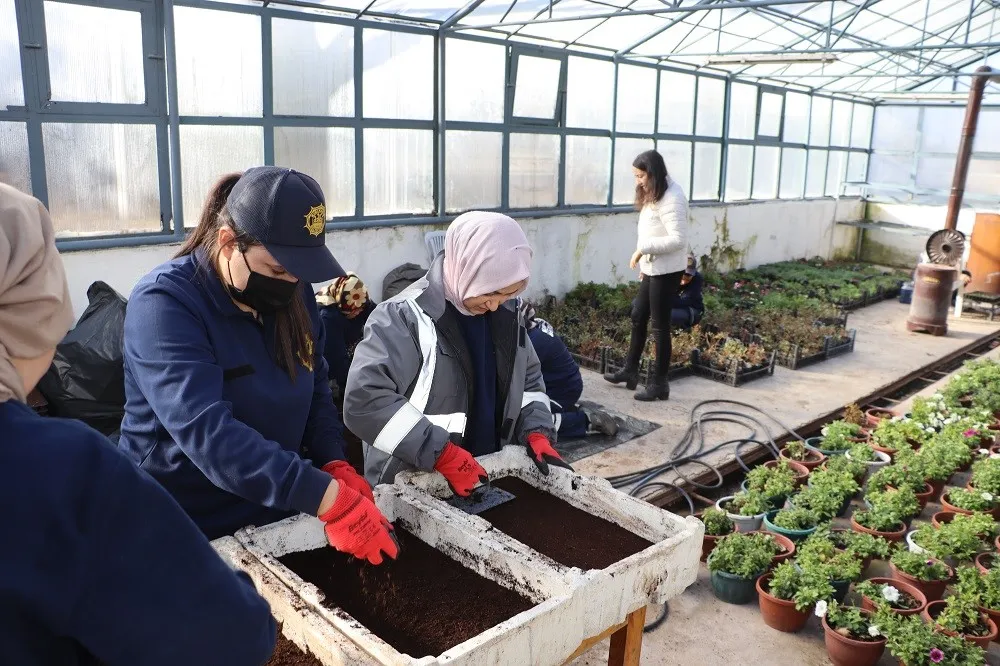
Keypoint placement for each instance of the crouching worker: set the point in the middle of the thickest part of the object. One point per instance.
(344, 307)
(689, 307)
(100, 565)
(446, 371)
(228, 404)
(563, 382)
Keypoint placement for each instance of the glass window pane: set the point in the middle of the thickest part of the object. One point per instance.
(474, 80)
(984, 177)
(857, 168)
(313, 65)
(707, 167)
(935, 173)
(987, 132)
(101, 178)
(840, 133)
(588, 170)
(835, 168)
(534, 170)
(11, 92)
(626, 150)
(770, 115)
(891, 169)
(739, 164)
(711, 104)
(399, 75)
(861, 129)
(793, 173)
(677, 155)
(796, 118)
(636, 99)
(819, 130)
(676, 103)
(207, 154)
(399, 171)
(326, 154)
(537, 87)
(14, 168)
(742, 111)
(816, 173)
(218, 63)
(472, 167)
(765, 172)
(945, 129)
(895, 128)
(589, 93)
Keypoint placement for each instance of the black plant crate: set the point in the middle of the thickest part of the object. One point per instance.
(793, 358)
(595, 363)
(841, 346)
(676, 371)
(733, 376)
(856, 304)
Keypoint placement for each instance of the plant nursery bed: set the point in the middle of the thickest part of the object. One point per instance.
(734, 374)
(422, 603)
(287, 653)
(584, 541)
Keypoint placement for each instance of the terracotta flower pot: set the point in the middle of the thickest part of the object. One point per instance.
(996, 544)
(846, 651)
(778, 613)
(896, 535)
(985, 562)
(801, 471)
(787, 545)
(869, 605)
(708, 544)
(934, 608)
(923, 497)
(813, 459)
(937, 487)
(931, 589)
(994, 615)
(942, 517)
(881, 449)
(876, 415)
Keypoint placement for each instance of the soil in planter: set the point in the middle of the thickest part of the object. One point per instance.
(422, 603)
(555, 528)
(287, 653)
(906, 602)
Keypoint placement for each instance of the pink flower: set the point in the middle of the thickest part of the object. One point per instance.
(971, 432)
(936, 655)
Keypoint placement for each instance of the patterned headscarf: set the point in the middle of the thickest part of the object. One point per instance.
(348, 293)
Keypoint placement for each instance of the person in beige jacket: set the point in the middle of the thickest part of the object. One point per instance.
(661, 257)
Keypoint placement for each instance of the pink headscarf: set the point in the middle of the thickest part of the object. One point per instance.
(483, 253)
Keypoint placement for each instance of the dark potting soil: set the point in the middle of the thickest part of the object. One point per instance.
(287, 653)
(555, 528)
(422, 604)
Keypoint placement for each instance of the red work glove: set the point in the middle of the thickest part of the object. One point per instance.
(460, 469)
(542, 454)
(354, 525)
(344, 472)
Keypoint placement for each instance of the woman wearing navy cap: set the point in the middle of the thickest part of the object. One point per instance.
(227, 400)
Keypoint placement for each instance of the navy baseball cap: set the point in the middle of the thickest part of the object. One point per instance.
(285, 211)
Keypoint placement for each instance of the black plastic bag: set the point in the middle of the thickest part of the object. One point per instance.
(87, 378)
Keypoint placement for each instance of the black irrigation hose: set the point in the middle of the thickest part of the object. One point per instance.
(658, 621)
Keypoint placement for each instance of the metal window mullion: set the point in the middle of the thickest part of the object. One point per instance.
(439, 129)
(267, 85)
(561, 104)
(508, 106)
(28, 14)
(359, 133)
(156, 98)
(173, 117)
(614, 136)
(724, 157)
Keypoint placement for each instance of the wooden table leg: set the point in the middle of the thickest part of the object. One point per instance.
(626, 643)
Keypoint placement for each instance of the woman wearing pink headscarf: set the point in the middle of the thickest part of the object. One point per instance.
(446, 371)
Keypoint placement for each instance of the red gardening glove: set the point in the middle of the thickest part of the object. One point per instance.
(542, 454)
(460, 469)
(344, 472)
(354, 525)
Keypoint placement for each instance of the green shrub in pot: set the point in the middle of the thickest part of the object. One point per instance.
(897, 434)
(795, 519)
(748, 504)
(886, 594)
(743, 555)
(823, 501)
(971, 500)
(852, 469)
(915, 643)
(900, 501)
(986, 474)
(984, 589)
(906, 470)
(803, 586)
(918, 566)
(796, 450)
(862, 453)
(778, 481)
(960, 540)
(961, 615)
(819, 552)
(717, 523)
(862, 545)
(938, 461)
(839, 436)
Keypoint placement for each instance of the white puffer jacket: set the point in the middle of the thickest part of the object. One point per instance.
(663, 231)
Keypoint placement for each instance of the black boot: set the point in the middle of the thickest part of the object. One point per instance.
(630, 373)
(627, 375)
(658, 388)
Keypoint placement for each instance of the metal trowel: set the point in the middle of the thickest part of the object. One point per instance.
(482, 498)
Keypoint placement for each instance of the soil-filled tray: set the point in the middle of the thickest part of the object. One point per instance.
(422, 603)
(559, 530)
(841, 345)
(287, 653)
(792, 356)
(734, 375)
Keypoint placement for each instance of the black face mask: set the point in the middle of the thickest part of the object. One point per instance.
(266, 295)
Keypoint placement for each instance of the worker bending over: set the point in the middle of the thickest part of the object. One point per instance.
(227, 400)
(99, 564)
(689, 307)
(563, 382)
(344, 307)
(446, 370)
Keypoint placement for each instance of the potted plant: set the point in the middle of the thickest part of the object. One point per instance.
(895, 595)
(983, 587)
(960, 616)
(745, 509)
(986, 475)
(961, 500)
(854, 415)
(736, 563)
(986, 562)
(841, 568)
(794, 523)
(876, 415)
(774, 483)
(928, 575)
(824, 500)
(717, 525)
(881, 521)
(894, 435)
(958, 541)
(914, 643)
(938, 463)
(788, 594)
(838, 437)
(873, 460)
(942, 517)
(796, 451)
(799, 472)
(852, 637)
(784, 548)
(842, 465)
(863, 545)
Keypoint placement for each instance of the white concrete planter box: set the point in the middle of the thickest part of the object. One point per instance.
(545, 635)
(604, 597)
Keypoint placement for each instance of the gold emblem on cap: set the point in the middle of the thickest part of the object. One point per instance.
(316, 220)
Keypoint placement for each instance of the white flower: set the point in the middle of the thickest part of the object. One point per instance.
(984, 452)
(988, 497)
(994, 456)
(820, 608)
(824, 431)
(874, 631)
(890, 594)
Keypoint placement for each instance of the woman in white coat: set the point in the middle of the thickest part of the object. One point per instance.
(661, 257)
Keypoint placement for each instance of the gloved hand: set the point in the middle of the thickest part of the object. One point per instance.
(355, 525)
(345, 474)
(542, 454)
(460, 469)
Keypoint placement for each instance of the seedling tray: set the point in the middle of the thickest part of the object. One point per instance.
(676, 371)
(734, 375)
(844, 345)
(832, 346)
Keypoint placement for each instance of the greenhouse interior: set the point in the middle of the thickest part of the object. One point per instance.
(722, 278)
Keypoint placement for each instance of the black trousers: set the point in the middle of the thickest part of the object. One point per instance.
(655, 301)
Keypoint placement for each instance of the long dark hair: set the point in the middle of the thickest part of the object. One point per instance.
(293, 340)
(651, 162)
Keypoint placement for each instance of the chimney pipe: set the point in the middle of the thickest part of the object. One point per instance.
(965, 147)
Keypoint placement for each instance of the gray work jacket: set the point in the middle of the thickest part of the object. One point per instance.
(409, 387)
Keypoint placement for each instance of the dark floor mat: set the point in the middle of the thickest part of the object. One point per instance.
(629, 428)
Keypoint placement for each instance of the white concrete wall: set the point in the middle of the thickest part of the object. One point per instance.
(904, 249)
(568, 249)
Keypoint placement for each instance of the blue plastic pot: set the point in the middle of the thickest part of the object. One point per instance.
(794, 535)
(814, 442)
(840, 589)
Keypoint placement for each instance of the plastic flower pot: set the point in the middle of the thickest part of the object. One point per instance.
(869, 605)
(814, 444)
(813, 459)
(733, 589)
(932, 589)
(776, 500)
(866, 562)
(840, 589)
(881, 460)
(925, 495)
(786, 544)
(801, 471)
(948, 506)
(996, 544)
(876, 415)
(934, 608)
(937, 487)
(985, 562)
(794, 535)
(896, 535)
(743, 523)
(778, 613)
(942, 518)
(709, 542)
(844, 651)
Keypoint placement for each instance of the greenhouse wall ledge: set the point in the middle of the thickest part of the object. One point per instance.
(568, 249)
(897, 249)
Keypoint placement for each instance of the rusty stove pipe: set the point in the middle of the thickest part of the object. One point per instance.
(965, 147)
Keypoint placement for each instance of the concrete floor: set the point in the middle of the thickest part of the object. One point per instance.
(700, 629)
